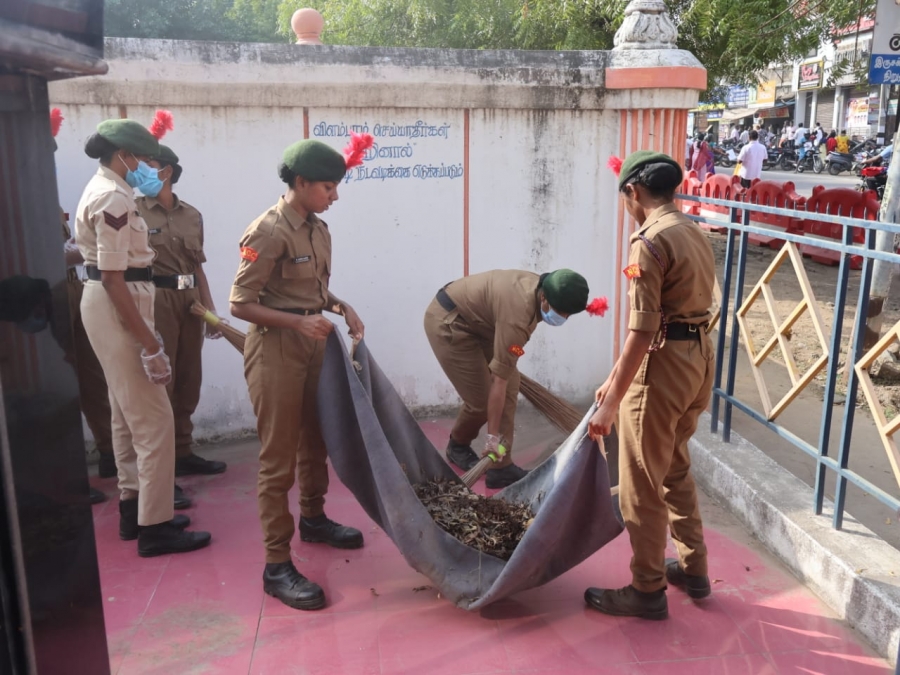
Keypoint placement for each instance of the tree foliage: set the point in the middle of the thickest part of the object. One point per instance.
(734, 39)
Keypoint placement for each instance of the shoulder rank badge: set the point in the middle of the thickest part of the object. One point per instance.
(516, 350)
(249, 254)
(632, 271)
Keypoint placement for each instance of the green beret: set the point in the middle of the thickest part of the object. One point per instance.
(129, 135)
(566, 291)
(644, 159)
(315, 161)
(165, 155)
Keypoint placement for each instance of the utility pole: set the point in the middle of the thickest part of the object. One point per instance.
(883, 272)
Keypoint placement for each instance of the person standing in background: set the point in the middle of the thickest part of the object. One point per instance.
(176, 234)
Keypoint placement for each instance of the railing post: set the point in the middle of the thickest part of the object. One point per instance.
(856, 353)
(722, 329)
(837, 330)
(735, 330)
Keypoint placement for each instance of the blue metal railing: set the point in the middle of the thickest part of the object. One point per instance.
(739, 228)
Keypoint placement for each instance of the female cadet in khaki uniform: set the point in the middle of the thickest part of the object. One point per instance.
(663, 381)
(477, 327)
(176, 234)
(281, 288)
(117, 311)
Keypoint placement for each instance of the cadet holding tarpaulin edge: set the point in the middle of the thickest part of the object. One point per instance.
(281, 289)
(663, 381)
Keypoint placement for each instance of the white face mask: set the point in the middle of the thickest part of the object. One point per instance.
(551, 318)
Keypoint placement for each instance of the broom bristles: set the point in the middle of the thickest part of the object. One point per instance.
(234, 336)
(562, 414)
(471, 476)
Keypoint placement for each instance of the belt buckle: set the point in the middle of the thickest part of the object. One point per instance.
(185, 281)
(692, 328)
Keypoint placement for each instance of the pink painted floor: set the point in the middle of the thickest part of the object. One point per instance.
(205, 612)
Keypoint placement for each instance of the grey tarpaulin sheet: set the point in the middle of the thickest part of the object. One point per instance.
(377, 449)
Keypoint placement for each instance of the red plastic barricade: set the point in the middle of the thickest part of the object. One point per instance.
(691, 186)
(837, 202)
(779, 196)
(719, 186)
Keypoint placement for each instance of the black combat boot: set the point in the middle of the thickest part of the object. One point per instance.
(128, 520)
(182, 501)
(194, 465)
(283, 581)
(496, 479)
(697, 587)
(166, 538)
(321, 530)
(628, 601)
(95, 496)
(461, 455)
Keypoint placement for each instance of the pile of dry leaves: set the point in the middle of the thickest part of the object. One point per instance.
(489, 525)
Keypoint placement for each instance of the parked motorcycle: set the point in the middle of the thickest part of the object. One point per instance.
(773, 160)
(838, 162)
(811, 160)
(874, 178)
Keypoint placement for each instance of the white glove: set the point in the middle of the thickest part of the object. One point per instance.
(157, 366)
(215, 332)
(491, 446)
(71, 247)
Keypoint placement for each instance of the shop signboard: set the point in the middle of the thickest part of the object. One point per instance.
(858, 113)
(884, 64)
(765, 92)
(810, 76)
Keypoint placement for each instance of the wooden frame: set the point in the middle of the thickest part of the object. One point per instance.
(886, 429)
(717, 296)
(799, 381)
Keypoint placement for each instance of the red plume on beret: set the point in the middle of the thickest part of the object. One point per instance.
(355, 150)
(162, 122)
(598, 306)
(56, 120)
(615, 164)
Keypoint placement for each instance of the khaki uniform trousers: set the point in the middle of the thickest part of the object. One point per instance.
(657, 418)
(464, 359)
(282, 369)
(182, 335)
(143, 432)
(91, 381)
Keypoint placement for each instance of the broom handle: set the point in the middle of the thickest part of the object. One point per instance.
(472, 475)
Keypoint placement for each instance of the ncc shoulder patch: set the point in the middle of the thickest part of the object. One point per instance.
(516, 350)
(632, 271)
(115, 222)
(249, 254)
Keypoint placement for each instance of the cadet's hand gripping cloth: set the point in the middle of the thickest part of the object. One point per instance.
(378, 449)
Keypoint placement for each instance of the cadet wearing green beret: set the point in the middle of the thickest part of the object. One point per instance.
(662, 381)
(176, 234)
(282, 288)
(478, 327)
(117, 312)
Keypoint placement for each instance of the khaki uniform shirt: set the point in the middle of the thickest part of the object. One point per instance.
(109, 231)
(176, 236)
(501, 308)
(680, 282)
(285, 261)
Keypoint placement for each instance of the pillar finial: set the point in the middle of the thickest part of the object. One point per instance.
(307, 25)
(647, 25)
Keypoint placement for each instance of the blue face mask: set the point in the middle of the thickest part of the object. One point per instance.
(145, 178)
(551, 318)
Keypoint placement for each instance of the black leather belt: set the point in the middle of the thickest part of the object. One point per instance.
(445, 301)
(301, 312)
(131, 274)
(177, 282)
(684, 331)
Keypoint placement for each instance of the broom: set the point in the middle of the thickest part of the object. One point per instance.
(471, 476)
(233, 335)
(561, 414)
